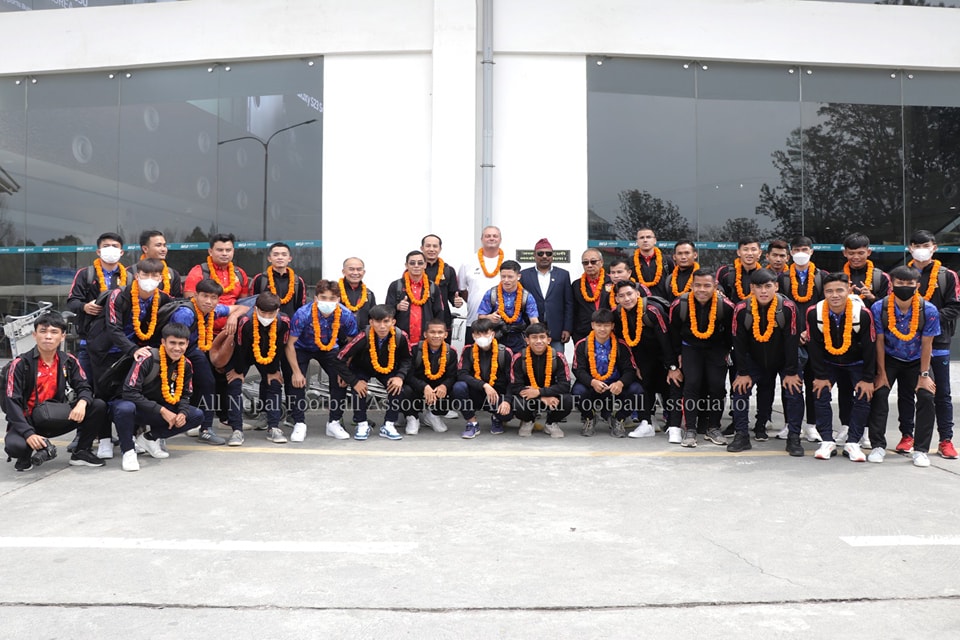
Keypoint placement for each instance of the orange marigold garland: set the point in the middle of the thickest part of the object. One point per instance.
(483, 265)
(676, 274)
(273, 287)
(847, 329)
(868, 276)
(204, 328)
(441, 366)
(596, 294)
(231, 277)
(795, 283)
(592, 357)
(914, 318)
(635, 340)
(121, 280)
(712, 315)
(346, 301)
(408, 285)
(493, 362)
(932, 282)
(502, 305)
(656, 276)
(173, 398)
(334, 330)
(391, 351)
(738, 280)
(547, 372)
(272, 336)
(154, 306)
(771, 319)
(441, 265)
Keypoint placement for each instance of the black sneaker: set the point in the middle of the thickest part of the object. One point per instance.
(73, 444)
(794, 447)
(23, 464)
(46, 454)
(85, 458)
(729, 431)
(760, 434)
(741, 442)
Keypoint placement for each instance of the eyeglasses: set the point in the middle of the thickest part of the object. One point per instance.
(587, 262)
(418, 263)
(541, 254)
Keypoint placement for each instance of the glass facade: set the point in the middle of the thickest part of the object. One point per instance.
(140, 149)
(717, 151)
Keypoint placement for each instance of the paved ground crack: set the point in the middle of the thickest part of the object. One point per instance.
(751, 564)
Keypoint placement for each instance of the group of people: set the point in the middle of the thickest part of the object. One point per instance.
(161, 354)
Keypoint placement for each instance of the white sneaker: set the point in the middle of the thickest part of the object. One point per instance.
(865, 441)
(811, 434)
(163, 444)
(826, 451)
(451, 415)
(299, 432)
(643, 430)
(433, 421)
(674, 435)
(105, 450)
(363, 431)
(920, 459)
(854, 452)
(389, 431)
(275, 434)
(877, 455)
(152, 447)
(840, 435)
(130, 462)
(138, 448)
(526, 429)
(413, 426)
(194, 433)
(336, 430)
(783, 433)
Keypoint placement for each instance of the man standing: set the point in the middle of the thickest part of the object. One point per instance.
(509, 307)
(650, 265)
(605, 376)
(442, 275)
(589, 293)
(685, 264)
(219, 266)
(734, 280)
(153, 246)
(483, 379)
(540, 382)
(155, 394)
(281, 280)
(906, 326)
(550, 288)
(777, 255)
(46, 374)
(842, 344)
(415, 298)
(479, 274)
(938, 285)
(354, 294)
(766, 344)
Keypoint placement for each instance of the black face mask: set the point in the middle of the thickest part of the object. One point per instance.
(904, 293)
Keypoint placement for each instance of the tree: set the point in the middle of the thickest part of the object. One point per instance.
(641, 209)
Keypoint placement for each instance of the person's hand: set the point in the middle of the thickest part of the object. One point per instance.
(441, 391)
(864, 390)
(429, 395)
(394, 385)
(141, 353)
(503, 408)
(92, 308)
(599, 386)
(492, 395)
(819, 385)
(616, 388)
(360, 388)
(298, 381)
(742, 384)
(793, 383)
(278, 376)
(880, 380)
(232, 375)
(552, 402)
(675, 377)
(168, 416)
(340, 382)
(528, 393)
(805, 336)
(180, 420)
(231, 325)
(564, 337)
(457, 300)
(404, 304)
(79, 411)
(926, 383)
(36, 442)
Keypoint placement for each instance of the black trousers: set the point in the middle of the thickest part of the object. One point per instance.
(904, 374)
(16, 445)
(704, 387)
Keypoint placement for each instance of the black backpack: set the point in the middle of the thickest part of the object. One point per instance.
(110, 382)
(779, 316)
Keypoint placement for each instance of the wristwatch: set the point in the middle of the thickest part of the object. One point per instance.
(673, 367)
(925, 374)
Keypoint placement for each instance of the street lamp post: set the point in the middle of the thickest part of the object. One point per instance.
(266, 160)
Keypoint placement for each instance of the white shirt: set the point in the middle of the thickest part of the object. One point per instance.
(544, 279)
(472, 278)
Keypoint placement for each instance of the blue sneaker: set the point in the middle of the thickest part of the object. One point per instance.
(496, 426)
(389, 432)
(471, 431)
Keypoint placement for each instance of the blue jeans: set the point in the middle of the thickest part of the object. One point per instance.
(126, 417)
(467, 399)
(204, 386)
(859, 410)
(765, 383)
(588, 400)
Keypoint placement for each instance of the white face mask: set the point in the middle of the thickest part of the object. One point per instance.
(326, 307)
(922, 254)
(801, 258)
(110, 255)
(483, 341)
(148, 285)
(266, 322)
